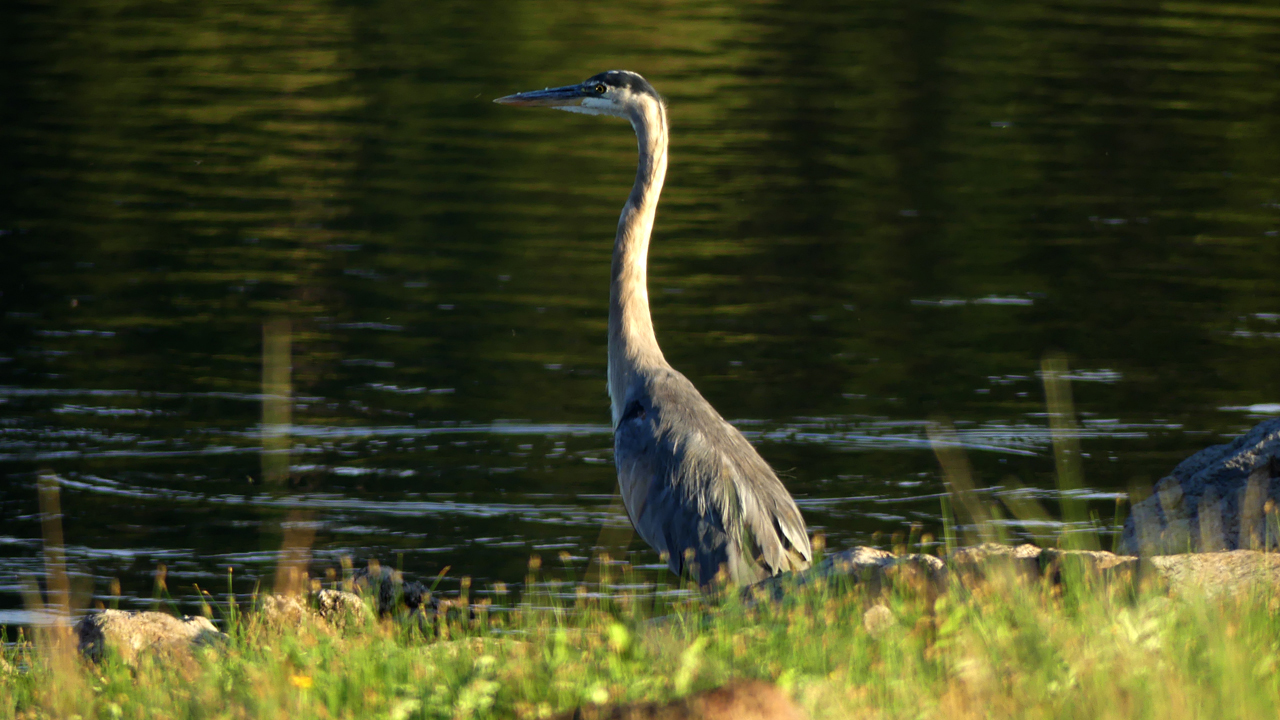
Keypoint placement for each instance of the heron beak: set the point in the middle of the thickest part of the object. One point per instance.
(551, 97)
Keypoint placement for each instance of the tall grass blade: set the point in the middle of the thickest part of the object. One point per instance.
(55, 559)
(958, 478)
(614, 539)
(1025, 509)
(1078, 533)
(295, 553)
(277, 402)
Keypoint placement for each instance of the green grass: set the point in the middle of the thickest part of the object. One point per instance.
(1002, 649)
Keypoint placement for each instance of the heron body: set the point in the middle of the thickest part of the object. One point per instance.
(694, 488)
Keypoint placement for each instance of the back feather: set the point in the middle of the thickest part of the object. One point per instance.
(691, 481)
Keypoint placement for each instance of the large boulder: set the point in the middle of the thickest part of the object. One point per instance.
(1222, 498)
(131, 633)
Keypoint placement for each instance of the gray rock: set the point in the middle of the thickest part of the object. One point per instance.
(1220, 573)
(132, 633)
(335, 606)
(872, 565)
(873, 569)
(878, 619)
(283, 609)
(1096, 563)
(1029, 562)
(981, 560)
(869, 567)
(1214, 500)
(1209, 574)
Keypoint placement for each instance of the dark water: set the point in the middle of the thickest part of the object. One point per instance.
(877, 213)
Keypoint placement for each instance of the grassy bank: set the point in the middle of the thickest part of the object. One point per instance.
(1001, 649)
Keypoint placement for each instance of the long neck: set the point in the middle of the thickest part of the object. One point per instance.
(633, 347)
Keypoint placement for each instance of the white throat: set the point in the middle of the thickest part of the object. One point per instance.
(633, 346)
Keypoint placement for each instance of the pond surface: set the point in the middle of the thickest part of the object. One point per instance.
(875, 215)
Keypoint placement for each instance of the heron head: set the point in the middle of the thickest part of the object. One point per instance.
(620, 93)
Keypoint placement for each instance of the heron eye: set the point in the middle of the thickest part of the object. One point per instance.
(600, 89)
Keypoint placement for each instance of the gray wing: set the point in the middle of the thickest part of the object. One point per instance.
(693, 485)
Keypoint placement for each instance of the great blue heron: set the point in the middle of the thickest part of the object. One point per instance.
(694, 488)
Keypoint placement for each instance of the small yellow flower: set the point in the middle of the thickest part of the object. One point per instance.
(302, 682)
